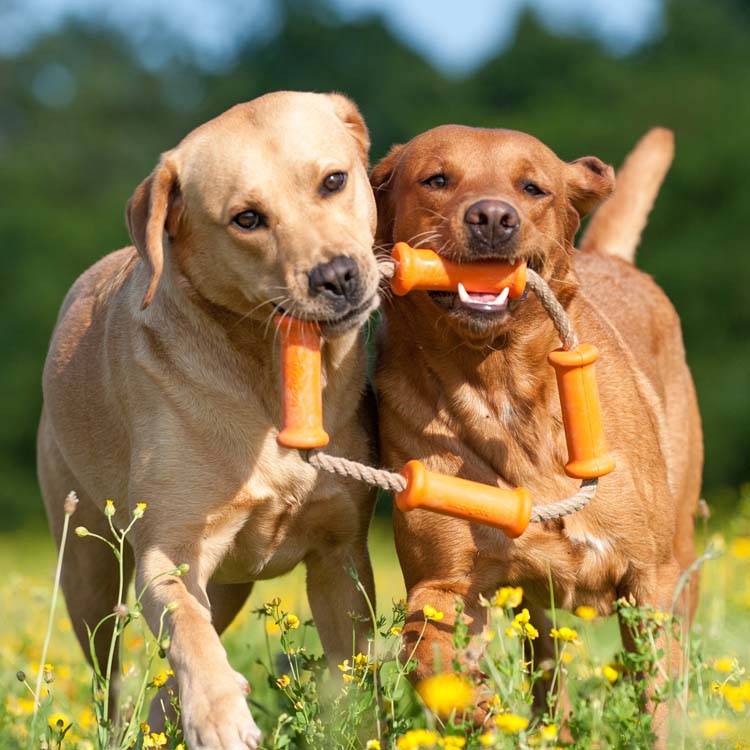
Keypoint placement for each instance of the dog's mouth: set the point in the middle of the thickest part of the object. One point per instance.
(483, 306)
(337, 325)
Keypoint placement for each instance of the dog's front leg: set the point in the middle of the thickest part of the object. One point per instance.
(215, 715)
(339, 607)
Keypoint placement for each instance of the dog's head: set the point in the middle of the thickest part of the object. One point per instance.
(267, 208)
(477, 195)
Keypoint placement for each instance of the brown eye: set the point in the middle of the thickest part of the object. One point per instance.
(334, 182)
(533, 189)
(248, 220)
(437, 181)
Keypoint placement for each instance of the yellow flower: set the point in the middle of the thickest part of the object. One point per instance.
(431, 613)
(488, 739)
(109, 508)
(140, 509)
(283, 681)
(566, 657)
(291, 622)
(372, 745)
(568, 635)
(511, 723)
(740, 547)
(360, 662)
(715, 729)
(725, 664)
(586, 613)
(610, 673)
(396, 630)
(86, 719)
(344, 666)
(548, 733)
(58, 720)
(19, 706)
(522, 626)
(145, 727)
(508, 596)
(415, 739)
(445, 693)
(155, 740)
(160, 679)
(453, 741)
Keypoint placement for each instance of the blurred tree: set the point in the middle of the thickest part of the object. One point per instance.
(83, 120)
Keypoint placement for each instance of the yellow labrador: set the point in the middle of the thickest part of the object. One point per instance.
(162, 385)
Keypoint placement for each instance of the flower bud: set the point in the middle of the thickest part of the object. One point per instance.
(71, 503)
(109, 508)
(81, 531)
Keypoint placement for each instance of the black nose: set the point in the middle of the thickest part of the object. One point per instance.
(492, 222)
(338, 279)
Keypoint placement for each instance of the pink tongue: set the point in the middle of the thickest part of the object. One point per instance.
(479, 297)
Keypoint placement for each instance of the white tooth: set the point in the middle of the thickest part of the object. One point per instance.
(463, 295)
(503, 296)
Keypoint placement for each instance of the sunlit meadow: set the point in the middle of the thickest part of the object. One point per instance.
(370, 703)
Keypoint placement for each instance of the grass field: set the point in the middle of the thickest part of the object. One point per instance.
(298, 706)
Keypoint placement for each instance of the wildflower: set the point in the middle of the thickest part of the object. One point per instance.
(160, 679)
(511, 723)
(715, 729)
(586, 613)
(508, 596)
(70, 504)
(488, 739)
(155, 740)
(610, 673)
(740, 547)
(360, 662)
(521, 626)
(567, 635)
(86, 719)
(548, 732)
(725, 664)
(396, 630)
(58, 720)
(81, 531)
(417, 738)
(140, 509)
(109, 508)
(145, 727)
(431, 613)
(453, 741)
(291, 622)
(283, 681)
(344, 666)
(372, 745)
(445, 693)
(48, 672)
(120, 611)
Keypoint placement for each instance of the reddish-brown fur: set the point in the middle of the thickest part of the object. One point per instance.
(478, 399)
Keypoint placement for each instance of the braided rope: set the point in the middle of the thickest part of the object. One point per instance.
(393, 482)
(388, 480)
(553, 308)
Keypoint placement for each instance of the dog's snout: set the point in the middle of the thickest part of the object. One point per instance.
(493, 222)
(338, 279)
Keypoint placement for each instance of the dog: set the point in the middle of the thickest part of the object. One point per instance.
(162, 385)
(464, 384)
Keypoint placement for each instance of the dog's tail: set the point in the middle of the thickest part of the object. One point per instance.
(615, 228)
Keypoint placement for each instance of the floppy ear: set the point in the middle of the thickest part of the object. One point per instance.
(590, 181)
(346, 110)
(381, 179)
(153, 209)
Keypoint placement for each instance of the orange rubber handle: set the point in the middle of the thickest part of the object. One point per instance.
(426, 270)
(302, 396)
(581, 412)
(507, 510)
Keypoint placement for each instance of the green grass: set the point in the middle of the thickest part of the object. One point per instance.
(328, 715)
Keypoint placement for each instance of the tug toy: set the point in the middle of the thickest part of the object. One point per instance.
(509, 510)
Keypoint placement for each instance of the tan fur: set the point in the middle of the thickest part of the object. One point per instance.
(615, 229)
(478, 399)
(162, 385)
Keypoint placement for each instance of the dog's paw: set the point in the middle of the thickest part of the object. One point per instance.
(219, 720)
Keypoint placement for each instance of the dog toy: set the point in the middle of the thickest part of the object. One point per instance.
(509, 510)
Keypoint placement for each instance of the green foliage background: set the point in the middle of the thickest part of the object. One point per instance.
(67, 171)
